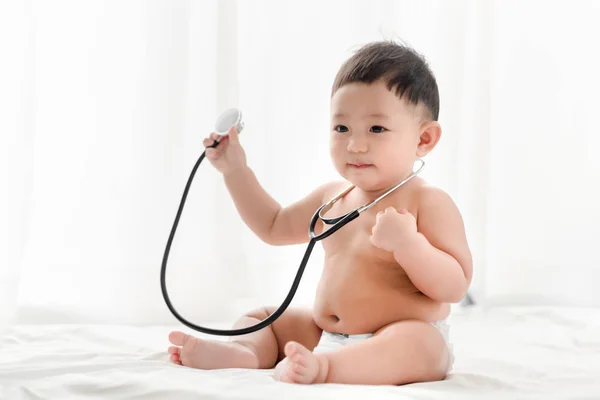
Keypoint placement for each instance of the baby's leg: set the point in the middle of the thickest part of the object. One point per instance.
(401, 353)
(260, 349)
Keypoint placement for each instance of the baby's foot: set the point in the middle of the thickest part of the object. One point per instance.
(301, 366)
(207, 354)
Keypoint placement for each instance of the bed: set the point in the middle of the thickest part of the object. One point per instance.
(505, 353)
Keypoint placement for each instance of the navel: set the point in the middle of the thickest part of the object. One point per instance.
(334, 318)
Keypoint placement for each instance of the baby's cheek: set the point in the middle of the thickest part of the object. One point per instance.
(335, 151)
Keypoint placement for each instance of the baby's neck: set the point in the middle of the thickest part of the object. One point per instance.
(371, 194)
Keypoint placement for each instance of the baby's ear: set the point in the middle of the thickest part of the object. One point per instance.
(430, 135)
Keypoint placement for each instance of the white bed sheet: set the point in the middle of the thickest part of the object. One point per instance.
(507, 353)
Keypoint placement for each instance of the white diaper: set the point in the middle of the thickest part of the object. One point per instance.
(331, 340)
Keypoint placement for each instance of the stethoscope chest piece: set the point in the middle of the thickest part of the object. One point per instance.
(229, 118)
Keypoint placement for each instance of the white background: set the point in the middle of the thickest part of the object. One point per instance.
(104, 105)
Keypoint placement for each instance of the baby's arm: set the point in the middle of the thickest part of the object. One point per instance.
(291, 223)
(438, 261)
(271, 222)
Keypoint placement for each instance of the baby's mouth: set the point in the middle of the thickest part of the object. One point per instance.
(359, 165)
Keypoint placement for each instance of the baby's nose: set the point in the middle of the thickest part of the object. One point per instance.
(357, 145)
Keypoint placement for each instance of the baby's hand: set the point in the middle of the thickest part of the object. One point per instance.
(393, 229)
(228, 156)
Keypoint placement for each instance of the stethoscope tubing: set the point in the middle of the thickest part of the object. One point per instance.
(336, 224)
(288, 299)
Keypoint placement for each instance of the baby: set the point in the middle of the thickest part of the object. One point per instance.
(390, 275)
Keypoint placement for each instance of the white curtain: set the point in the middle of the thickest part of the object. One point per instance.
(16, 134)
(542, 219)
(105, 105)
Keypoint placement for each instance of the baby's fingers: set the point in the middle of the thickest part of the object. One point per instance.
(212, 154)
(207, 142)
(210, 140)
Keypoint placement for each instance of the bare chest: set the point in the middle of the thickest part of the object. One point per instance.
(354, 238)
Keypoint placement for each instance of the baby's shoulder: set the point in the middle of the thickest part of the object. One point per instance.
(428, 196)
(331, 189)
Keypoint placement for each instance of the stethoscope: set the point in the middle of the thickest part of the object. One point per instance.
(228, 119)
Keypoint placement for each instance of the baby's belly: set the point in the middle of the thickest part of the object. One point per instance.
(363, 295)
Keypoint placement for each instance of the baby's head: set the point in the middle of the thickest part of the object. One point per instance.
(384, 111)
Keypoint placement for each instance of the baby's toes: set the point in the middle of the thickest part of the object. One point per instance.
(294, 350)
(297, 369)
(296, 373)
(298, 363)
(302, 366)
(292, 374)
(175, 359)
(175, 353)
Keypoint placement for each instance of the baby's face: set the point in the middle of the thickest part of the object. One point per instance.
(374, 135)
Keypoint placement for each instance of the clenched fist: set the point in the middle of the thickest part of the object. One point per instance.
(393, 229)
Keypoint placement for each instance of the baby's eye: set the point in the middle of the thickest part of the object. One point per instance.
(377, 129)
(341, 128)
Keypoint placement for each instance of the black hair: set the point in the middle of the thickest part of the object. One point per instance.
(403, 69)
